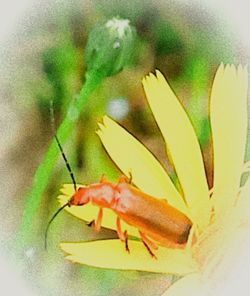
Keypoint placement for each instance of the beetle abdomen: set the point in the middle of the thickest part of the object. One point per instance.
(154, 217)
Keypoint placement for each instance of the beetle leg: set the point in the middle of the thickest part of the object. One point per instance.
(148, 244)
(126, 241)
(149, 250)
(211, 191)
(123, 236)
(90, 223)
(124, 179)
(97, 223)
(130, 177)
(103, 179)
(148, 241)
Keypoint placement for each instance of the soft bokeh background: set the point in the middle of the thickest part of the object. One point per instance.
(43, 59)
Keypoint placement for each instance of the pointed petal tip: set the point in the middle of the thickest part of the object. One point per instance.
(227, 67)
(72, 258)
(159, 74)
(100, 125)
(100, 129)
(104, 126)
(240, 68)
(99, 133)
(107, 118)
(108, 122)
(60, 197)
(66, 188)
(221, 66)
(65, 247)
(220, 69)
(243, 71)
(232, 67)
(151, 76)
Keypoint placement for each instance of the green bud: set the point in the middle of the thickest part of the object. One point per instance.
(110, 47)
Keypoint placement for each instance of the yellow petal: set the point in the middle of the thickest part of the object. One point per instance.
(89, 212)
(242, 208)
(188, 285)
(229, 130)
(68, 189)
(182, 143)
(131, 156)
(112, 254)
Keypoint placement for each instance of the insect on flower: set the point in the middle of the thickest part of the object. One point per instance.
(158, 223)
(219, 219)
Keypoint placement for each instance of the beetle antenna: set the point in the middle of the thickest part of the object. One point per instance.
(51, 220)
(60, 146)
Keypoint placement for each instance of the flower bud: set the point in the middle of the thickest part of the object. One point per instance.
(110, 47)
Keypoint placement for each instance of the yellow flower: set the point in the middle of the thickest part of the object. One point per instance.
(215, 218)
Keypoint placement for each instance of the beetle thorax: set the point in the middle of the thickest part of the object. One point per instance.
(102, 195)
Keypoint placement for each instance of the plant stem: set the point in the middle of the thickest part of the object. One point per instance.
(42, 175)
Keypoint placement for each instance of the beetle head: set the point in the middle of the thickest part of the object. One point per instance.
(80, 197)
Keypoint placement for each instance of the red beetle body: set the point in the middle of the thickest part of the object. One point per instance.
(155, 219)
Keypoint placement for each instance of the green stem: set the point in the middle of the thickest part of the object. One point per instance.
(42, 175)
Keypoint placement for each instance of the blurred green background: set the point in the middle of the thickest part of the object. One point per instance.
(46, 62)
